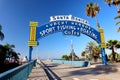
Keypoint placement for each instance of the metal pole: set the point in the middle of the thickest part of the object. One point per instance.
(71, 44)
(72, 49)
(104, 62)
(30, 53)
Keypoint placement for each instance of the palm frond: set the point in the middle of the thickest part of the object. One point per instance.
(117, 23)
(117, 45)
(91, 4)
(109, 2)
(0, 27)
(1, 36)
(92, 9)
(117, 17)
(118, 29)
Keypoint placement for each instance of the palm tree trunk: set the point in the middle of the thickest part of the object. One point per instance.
(113, 53)
(118, 9)
(97, 23)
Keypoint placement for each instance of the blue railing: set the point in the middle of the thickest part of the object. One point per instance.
(19, 73)
(73, 63)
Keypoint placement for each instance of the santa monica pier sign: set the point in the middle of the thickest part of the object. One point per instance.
(68, 25)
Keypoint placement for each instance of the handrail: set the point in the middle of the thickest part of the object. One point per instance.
(18, 73)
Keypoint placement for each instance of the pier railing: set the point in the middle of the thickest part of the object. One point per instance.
(19, 73)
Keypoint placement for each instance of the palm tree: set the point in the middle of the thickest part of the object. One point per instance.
(15, 57)
(1, 33)
(93, 49)
(65, 57)
(73, 56)
(117, 56)
(9, 51)
(113, 2)
(83, 53)
(92, 10)
(116, 3)
(112, 45)
(2, 54)
(96, 52)
(117, 17)
(9, 47)
(90, 46)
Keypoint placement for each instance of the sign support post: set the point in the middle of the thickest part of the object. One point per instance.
(30, 52)
(32, 42)
(103, 46)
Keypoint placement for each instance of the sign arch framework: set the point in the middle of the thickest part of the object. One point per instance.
(69, 25)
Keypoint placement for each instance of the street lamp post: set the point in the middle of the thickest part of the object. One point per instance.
(72, 50)
(71, 44)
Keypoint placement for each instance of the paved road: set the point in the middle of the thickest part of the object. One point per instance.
(67, 72)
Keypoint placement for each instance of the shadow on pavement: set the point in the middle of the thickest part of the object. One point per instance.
(80, 71)
(53, 65)
(50, 73)
(92, 71)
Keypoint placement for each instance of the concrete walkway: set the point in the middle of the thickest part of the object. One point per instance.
(38, 73)
(67, 72)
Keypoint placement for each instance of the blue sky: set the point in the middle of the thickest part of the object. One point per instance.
(15, 16)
